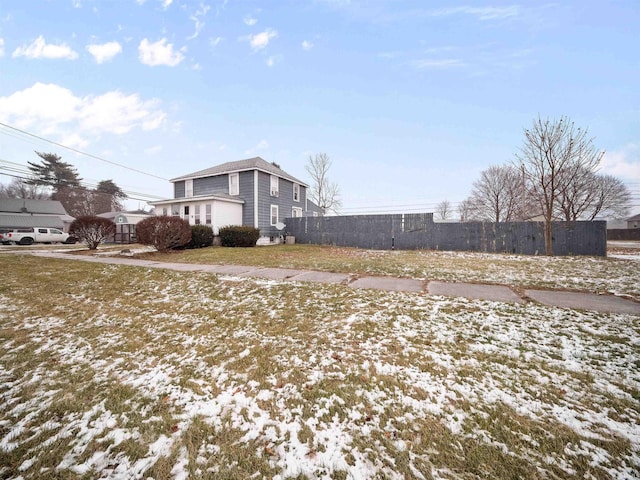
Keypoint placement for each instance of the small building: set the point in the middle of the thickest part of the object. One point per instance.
(26, 212)
(125, 224)
(250, 192)
(633, 222)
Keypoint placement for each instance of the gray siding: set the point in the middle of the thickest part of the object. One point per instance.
(220, 184)
(245, 183)
(417, 231)
(265, 200)
(284, 201)
(178, 190)
(211, 185)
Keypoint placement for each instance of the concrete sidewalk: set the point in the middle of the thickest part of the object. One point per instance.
(499, 293)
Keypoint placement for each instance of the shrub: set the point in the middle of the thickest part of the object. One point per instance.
(237, 236)
(164, 232)
(201, 236)
(92, 230)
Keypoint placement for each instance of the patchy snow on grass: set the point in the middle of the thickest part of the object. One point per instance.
(195, 376)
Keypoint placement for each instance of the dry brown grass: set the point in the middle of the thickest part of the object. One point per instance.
(106, 367)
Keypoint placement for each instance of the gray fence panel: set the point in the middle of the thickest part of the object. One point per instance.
(418, 231)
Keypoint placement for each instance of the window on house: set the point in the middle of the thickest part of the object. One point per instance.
(207, 212)
(175, 210)
(296, 192)
(165, 211)
(296, 212)
(274, 214)
(275, 184)
(186, 211)
(234, 184)
(188, 188)
(196, 211)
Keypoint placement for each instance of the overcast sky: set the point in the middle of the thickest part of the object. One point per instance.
(410, 99)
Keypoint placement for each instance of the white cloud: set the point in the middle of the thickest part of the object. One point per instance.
(56, 111)
(250, 21)
(73, 140)
(159, 53)
(443, 63)
(1, 47)
(307, 45)
(153, 150)
(77, 4)
(260, 40)
(197, 20)
(482, 13)
(166, 3)
(272, 60)
(623, 163)
(104, 52)
(40, 49)
(262, 145)
(215, 41)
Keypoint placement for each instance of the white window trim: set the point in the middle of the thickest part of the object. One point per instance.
(274, 184)
(295, 210)
(272, 223)
(188, 188)
(235, 191)
(296, 189)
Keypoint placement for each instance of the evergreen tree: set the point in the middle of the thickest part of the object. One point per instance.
(53, 172)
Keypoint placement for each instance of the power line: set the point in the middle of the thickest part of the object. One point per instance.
(80, 152)
(20, 172)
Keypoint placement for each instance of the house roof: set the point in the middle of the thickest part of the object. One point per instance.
(19, 220)
(255, 163)
(132, 213)
(634, 218)
(26, 205)
(213, 196)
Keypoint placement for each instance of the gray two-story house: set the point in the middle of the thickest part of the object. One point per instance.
(251, 192)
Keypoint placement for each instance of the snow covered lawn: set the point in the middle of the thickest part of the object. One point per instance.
(121, 372)
(617, 275)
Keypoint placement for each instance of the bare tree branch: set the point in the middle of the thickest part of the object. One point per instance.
(323, 192)
(553, 156)
(444, 210)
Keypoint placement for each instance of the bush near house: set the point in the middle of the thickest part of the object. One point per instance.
(237, 236)
(92, 230)
(164, 233)
(201, 236)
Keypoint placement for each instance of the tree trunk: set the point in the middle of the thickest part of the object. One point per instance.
(548, 238)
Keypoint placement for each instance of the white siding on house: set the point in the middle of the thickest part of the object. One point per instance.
(214, 213)
(225, 214)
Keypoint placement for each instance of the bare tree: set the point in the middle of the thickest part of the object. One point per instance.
(324, 193)
(496, 195)
(444, 210)
(611, 198)
(20, 188)
(77, 201)
(465, 209)
(552, 155)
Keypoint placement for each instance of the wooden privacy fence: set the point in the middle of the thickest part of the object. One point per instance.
(419, 231)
